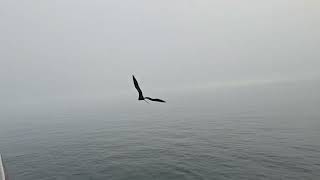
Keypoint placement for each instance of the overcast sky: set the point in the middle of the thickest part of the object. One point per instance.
(60, 48)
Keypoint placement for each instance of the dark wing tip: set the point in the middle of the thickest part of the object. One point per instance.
(157, 100)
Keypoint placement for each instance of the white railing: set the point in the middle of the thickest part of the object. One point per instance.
(2, 173)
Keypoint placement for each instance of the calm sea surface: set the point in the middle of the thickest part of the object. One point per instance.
(269, 131)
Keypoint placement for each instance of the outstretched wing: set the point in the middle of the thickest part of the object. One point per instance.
(157, 100)
(136, 85)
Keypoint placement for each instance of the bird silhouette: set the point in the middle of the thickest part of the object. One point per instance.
(141, 97)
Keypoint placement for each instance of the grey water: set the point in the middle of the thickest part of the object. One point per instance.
(264, 131)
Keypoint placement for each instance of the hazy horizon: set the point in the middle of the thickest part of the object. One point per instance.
(91, 48)
(241, 80)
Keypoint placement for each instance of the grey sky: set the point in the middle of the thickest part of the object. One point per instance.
(66, 48)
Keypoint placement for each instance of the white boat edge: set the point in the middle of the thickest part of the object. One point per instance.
(2, 172)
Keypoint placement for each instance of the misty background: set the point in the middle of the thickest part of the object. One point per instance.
(241, 79)
(76, 49)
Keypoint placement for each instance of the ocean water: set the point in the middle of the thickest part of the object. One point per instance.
(266, 131)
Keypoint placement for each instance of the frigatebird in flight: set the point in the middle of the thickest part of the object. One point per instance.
(141, 97)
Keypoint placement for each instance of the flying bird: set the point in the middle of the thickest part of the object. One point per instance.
(141, 97)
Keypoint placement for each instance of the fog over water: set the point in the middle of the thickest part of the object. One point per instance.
(251, 132)
(81, 49)
(241, 79)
